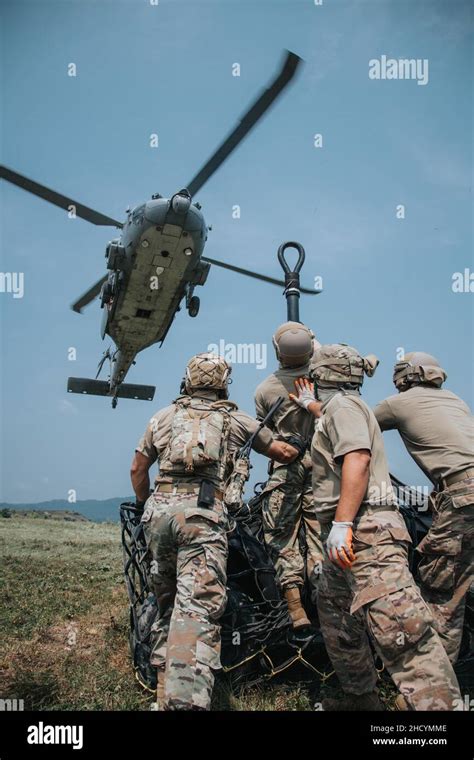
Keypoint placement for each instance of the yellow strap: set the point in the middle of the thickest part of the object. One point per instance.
(275, 670)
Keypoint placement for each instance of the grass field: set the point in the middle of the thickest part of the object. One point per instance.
(64, 624)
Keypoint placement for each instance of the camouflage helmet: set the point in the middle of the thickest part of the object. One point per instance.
(416, 368)
(207, 370)
(338, 363)
(294, 344)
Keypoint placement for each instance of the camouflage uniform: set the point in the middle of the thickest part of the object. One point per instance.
(288, 503)
(188, 578)
(437, 429)
(446, 569)
(377, 595)
(188, 548)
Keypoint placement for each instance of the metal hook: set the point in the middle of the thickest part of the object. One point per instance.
(292, 279)
(281, 257)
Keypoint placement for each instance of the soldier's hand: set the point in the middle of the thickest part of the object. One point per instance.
(305, 393)
(291, 451)
(339, 544)
(282, 452)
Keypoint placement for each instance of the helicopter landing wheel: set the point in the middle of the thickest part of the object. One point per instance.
(193, 308)
(114, 402)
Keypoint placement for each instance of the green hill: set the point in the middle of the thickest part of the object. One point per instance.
(106, 510)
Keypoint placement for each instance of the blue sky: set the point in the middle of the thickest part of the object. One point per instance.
(167, 69)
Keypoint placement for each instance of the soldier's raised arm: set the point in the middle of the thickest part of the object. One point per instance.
(385, 416)
(264, 442)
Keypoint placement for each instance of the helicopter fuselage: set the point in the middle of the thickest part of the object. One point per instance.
(157, 260)
(154, 264)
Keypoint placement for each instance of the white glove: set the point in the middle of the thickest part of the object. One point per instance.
(305, 393)
(339, 544)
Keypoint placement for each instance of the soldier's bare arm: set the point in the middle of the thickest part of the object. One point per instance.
(140, 477)
(281, 452)
(263, 443)
(354, 483)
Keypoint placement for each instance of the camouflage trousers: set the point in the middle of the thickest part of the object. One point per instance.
(446, 568)
(287, 507)
(378, 597)
(188, 551)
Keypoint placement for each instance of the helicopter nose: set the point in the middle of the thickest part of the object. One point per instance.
(181, 202)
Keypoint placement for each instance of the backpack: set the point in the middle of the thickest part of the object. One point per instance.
(199, 437)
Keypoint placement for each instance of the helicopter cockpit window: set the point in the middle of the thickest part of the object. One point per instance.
(138, 214)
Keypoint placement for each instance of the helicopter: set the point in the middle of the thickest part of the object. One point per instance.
(156, 262)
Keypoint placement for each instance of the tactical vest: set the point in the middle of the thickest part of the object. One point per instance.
(198, 444)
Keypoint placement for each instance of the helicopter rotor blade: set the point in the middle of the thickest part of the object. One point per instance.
(253, 115)
(256, 275)
(89, 295)
(89, 214)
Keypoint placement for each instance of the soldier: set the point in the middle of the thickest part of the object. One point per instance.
(366, 584)
(437, 429)
(288, 501)
(185, 525)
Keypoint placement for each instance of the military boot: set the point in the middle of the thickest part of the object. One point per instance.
(369, 702)
(295, 608)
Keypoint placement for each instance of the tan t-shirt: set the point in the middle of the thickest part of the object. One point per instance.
(347, 424)
(157, 434)
(290, 419)
(436, 426)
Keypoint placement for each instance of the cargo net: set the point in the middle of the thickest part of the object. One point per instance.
(143, 607)
(258, 642)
